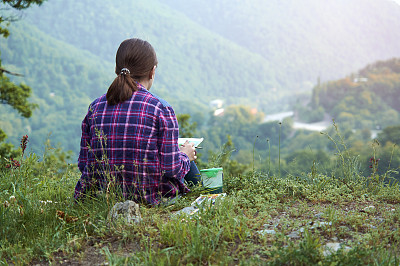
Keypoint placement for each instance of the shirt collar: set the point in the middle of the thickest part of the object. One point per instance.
(140, 86)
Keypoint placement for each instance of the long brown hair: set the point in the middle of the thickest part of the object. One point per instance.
(139, 58)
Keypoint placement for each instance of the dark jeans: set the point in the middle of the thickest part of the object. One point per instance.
(193, 177)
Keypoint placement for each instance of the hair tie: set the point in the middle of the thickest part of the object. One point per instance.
(124, 71)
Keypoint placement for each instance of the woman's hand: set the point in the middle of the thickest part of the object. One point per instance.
(189, 149)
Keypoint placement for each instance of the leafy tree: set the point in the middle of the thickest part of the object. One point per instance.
(390, 134)
(10, 93)
(368, 99)
(16, 4)
(186, 128)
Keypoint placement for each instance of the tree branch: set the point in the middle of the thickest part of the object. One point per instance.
(2, 70)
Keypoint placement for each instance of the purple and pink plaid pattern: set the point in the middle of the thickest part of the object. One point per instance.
(134, 143)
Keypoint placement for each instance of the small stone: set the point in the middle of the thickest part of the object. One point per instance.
(294, 234)
(331, 248)
(265, 231)
(128, 211)
(369, 208)
(319, 215)
(320, 225)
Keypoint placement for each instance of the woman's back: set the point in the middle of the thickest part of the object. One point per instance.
(135, 143)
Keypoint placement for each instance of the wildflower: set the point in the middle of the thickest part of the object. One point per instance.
(24, 141)
(13, 163)
(16, 164)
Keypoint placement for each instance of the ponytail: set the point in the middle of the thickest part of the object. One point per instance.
(122, 88)
(134, 60)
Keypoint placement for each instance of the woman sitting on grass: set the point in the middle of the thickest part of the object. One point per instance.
(130, 136)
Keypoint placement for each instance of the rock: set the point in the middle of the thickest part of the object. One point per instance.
(368, 209)
(265, 231)
(321, 224)
(331, 248)
(127, 211)
(317, 225)
(319, 215)
(294, 234)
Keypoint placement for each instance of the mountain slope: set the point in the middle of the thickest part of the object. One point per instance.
(305, 39)
(193, 61)
(254, 52)
(67, 63)
(64, 81)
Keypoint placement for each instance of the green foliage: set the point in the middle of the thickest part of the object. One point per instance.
(14, 95)
(186, 129)
(307, 252)
(17, 4)
(41, 222)
(310, 115)
(223, 159)
(6, 149)
(62, 100)
(367, 99)
(390, 134)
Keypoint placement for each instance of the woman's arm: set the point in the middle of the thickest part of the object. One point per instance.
(174, 163)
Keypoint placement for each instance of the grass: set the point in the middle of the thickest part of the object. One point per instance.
(41, 224)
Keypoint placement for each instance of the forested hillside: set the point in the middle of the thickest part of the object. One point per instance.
(194, 62)
(66, 74)
(254, 53)
(367, 99)
(64, 80)
(304, 39)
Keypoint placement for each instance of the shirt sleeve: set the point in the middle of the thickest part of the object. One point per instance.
(174, 163)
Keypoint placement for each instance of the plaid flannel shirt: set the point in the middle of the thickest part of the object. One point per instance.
(134, 143)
